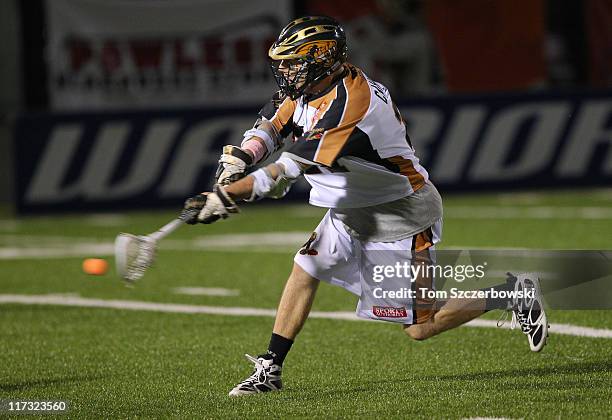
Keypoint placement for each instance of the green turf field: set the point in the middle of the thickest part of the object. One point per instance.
(112, 363)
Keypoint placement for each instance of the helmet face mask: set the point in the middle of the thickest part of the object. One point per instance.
(291, 76)
(307, 50)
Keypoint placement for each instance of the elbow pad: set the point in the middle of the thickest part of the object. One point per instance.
(266, 186)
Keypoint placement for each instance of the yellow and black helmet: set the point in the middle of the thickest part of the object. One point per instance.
(307, 50)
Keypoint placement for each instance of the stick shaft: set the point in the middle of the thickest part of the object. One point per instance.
(170, 227)
(166, 230)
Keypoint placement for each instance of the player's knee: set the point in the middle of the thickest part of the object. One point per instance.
(416, 332)
(444, 317)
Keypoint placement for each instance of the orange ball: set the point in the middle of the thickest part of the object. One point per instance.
(95, 266)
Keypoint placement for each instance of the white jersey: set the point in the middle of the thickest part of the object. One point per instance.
(355, 139)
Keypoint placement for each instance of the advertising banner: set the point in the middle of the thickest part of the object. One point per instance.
(137, 159)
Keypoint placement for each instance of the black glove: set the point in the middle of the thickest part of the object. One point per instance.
(192, 208)
(208, 207)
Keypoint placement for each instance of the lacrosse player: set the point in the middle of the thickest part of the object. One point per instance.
(351, 145)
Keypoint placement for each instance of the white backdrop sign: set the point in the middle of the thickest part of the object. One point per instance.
(140, 53)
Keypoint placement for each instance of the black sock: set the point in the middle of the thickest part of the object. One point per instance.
(499, 303)
(278, 348)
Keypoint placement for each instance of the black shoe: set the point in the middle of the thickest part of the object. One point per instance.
(528, 311)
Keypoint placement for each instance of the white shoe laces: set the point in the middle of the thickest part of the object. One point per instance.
(504, 317)
(260, 375)
(519, 318)
(522, 321)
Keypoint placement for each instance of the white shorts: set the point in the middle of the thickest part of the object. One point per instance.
(333, 256)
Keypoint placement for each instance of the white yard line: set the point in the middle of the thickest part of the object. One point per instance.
(58, 251)
(33, 247)
(14, 246)
(564, 329)
(66, 300)
(205, 291)
(62, 247)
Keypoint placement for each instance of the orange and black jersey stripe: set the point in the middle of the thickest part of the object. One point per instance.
(344, 121)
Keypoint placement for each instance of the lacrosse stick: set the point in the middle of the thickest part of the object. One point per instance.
(134, 254)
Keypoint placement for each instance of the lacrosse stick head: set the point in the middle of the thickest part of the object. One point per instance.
(133, 255)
